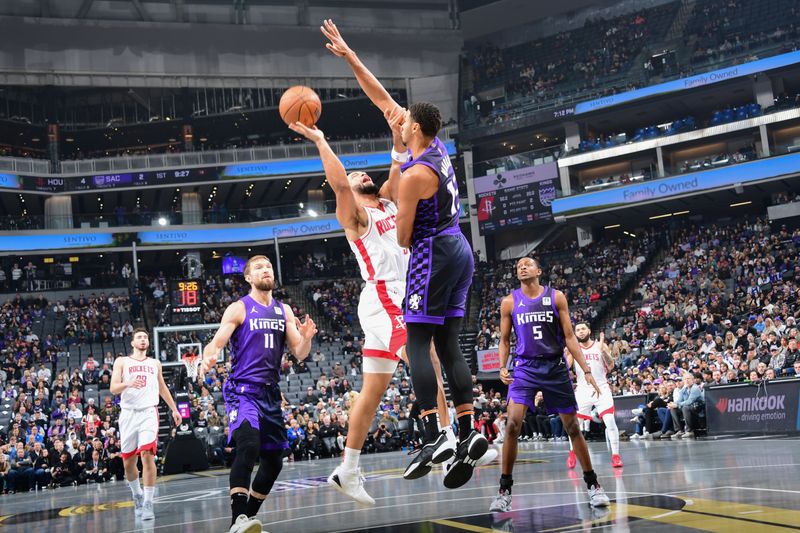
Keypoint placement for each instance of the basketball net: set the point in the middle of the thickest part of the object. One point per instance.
(192, 363)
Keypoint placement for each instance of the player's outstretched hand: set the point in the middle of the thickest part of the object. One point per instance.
(207, 364)
(177, 418)
(307, 329)
(505, 376)
(590, 380)
(337, 45)
(395, 118)
(312, 133)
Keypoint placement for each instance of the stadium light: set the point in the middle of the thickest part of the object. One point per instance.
(312, 213)
(162, 221)
(739, 204)
(680, 213)
(665, 215)
(612, 226)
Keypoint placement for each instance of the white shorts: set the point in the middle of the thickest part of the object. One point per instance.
(384, 328)
(586, 397)
(138, 431)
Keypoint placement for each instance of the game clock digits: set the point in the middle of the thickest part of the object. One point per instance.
(185, 299)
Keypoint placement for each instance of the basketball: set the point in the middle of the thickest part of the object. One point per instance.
(300, 104)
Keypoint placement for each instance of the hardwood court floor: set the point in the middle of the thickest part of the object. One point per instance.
(730, 486)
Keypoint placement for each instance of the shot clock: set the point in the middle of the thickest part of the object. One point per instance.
(186, 301)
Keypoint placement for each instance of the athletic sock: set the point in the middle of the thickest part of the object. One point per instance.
(148, 494)
(253, 505)
(351, 456)
(506, 481)
(590, 478)
(238, 505)
(431, 422)
(465, 425)
(136, 488)
(448, 431)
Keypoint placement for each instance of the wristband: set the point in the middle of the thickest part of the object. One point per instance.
(400, 157)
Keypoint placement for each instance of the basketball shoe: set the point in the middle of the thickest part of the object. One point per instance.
(350, 482)
(147, 511)
(598, 497)
(469, 452)
(572, 460)
(138, 503)
(427, 457)
(245, 524)
(501, 502)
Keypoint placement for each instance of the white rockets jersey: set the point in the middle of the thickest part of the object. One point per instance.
(594, 358)
(377, 251)
(146, 372)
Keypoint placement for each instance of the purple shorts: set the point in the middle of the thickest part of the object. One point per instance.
(549, 375)
(261, 406)
(439, 276)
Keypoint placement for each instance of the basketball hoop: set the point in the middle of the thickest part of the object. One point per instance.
(192, 363)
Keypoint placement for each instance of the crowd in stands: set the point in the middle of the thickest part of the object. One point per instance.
(596, 60)
(590, 278)
(7, 150)
(720, 307)
(575, 62)
(36, 275)
(785, 198)
(337, 301)
(747, 153)
(55, 429)
(310, 266)
(726, 28)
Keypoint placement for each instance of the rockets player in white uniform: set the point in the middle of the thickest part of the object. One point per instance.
(367, 214)
(138, 380)
(598, 357)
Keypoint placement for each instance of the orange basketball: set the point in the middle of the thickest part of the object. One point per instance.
(300, 104)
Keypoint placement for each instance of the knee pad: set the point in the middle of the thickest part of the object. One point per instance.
(247, 447)
(270, 465)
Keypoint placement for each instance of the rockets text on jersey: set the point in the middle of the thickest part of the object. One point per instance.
(144, 372)
(379, 256)
(594, 358)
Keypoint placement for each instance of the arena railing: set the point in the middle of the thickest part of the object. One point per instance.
(24, 165)
(227, 157)
(43, 167)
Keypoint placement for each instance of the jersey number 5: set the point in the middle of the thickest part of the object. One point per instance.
(537, 333)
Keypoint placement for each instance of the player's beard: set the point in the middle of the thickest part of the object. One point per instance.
(369, 189)
(582, 339)
(264, 284)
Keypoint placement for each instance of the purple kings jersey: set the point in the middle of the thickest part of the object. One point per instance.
(536, 325)
(439, 213)
(257, 345)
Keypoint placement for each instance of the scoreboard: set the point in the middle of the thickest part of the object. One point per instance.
(517, 197)
(186, 301)
(121, 180)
